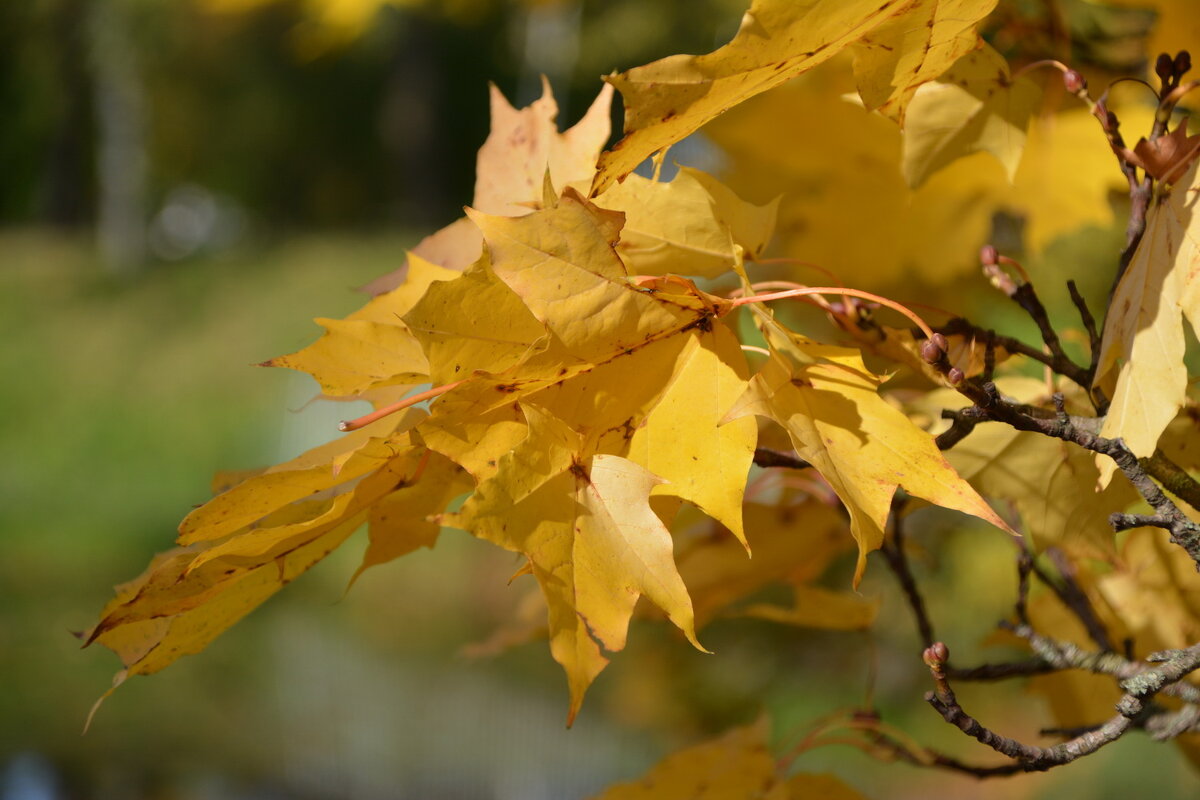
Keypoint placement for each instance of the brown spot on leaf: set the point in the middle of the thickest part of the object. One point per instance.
(579, 471)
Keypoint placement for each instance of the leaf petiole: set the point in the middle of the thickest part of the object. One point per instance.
(380, 413)
(823, 290)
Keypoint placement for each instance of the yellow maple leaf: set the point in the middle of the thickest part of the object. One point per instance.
(864, 447)
(847, 207)
(561, 263)
(737, 765)
(792, 542)
(474, 322)
(371, 348)
(974, 106)
(592, 542)
(895, 59)
(1141, 358)
(523, 148)
(400, 522)
(680, 441)
(691, 225)
(778, 40)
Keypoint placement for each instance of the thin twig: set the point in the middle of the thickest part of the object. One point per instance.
(893, 552)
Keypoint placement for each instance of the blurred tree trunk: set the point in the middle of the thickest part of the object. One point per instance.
(410, 117)
(119, 100)
(66, 184)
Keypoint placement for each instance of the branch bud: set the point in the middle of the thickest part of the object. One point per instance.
(936, 655)
(933, 348)
(1074, 82)
(1164, 68)
(955, 376)
(1183, 63)
(988, 255)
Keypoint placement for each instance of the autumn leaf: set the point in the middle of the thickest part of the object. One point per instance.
(735, 766)
(473, 322)
(522, 149)
(1141, 358)
(561, 263)
(865, 448)
(791, 542)
(680, 441)
(777, 41)
(592, 541)
(915, 47)
(371, 348)
(691, 225)
(974, 106)
(401, 521)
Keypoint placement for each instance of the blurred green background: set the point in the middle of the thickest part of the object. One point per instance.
(186, 185)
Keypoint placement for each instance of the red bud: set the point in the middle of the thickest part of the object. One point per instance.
(1074, 82)
(955, 376)
(988, 255)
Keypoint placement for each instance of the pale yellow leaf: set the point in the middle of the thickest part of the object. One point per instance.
(523, 148)
(474, 322)
(974, 106)
(593, 543)
(680, 440)
(816, 607)
(896, 58)
(561, 263)
(1141, 358)
(689, 226)
(864, 447)
(736, 766)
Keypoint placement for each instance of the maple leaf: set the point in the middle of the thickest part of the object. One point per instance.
(974, 106)
(734, 766)
(792, 542)
(250, 541)
(914, 47)
(371, 348)
(777, 41)
(591, 539)
(680, 441)
(692, 225)
(522, 149)
(852, 160)
(1141, 358)
(865, 448)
